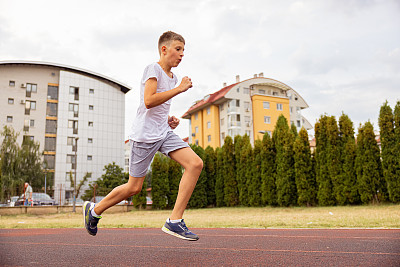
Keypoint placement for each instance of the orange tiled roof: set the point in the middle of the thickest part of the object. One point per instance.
(213, 97)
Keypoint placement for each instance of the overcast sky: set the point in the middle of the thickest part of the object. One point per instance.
(339, 55)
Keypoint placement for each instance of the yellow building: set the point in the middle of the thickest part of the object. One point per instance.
(249, 107)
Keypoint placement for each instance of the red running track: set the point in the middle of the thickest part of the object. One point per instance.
(216, 247)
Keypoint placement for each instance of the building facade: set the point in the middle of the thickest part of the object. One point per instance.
(76, 115)
(249, 107)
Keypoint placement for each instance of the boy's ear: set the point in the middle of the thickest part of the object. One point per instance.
(163, 49)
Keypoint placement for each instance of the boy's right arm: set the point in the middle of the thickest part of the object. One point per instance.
(153, 99)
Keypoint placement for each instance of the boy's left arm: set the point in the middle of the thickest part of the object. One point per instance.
(173, 122)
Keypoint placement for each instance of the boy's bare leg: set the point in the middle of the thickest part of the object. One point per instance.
(193, 166)
(122, 192)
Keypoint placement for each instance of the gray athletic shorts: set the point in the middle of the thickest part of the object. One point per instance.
(142, 153)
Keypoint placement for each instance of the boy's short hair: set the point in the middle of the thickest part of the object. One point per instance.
(167, 37)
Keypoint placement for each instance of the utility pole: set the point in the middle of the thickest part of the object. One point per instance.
(76, 165)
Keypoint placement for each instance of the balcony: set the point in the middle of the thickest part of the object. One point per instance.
(233, 109)
(233, 124)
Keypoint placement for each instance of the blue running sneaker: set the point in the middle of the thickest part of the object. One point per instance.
(179, 230)
(88, 219)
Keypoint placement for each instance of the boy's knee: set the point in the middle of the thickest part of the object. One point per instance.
(135, 190)
(198, 164)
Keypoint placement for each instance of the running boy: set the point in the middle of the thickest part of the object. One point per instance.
(152, 132)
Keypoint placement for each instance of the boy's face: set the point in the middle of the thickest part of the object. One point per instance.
(174, 53)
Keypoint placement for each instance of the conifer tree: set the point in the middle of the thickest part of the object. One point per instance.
(293, 128)
(347, 157)
(229, 173)
(390, 159)
(304, 175)
(199, 195)
(210, 163)
(254, 172)
(243, 156)
(174, 178)
(396, 186)
(334, 164)
(368, 166)
(219, 179)
(323, 177)
(285, 178)
(268, 172)
(159, 181)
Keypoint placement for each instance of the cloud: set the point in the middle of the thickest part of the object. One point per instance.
(339, 57)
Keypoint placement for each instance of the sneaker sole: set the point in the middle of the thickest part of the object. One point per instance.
(84, 217)
(167, 231)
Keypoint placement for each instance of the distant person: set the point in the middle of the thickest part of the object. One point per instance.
(28, 195)
(152, 131)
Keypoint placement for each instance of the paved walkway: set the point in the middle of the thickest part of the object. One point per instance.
(216, 247)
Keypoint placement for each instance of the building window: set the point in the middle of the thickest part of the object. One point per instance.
(89, 157)
(11, 101)
(90, 107)
(291, 109)
(52, 92)
(30, 88)
(11, 83)
(74, 125)
(222, 106)
(33, 105)
(50, 161)
(298, 123)
(209, 124)
(50, 143)
(261, 91)
(247, 106)
(266, 105)
(28, 106)
(51, 109)
(74, 91)
(26, 125)
(196, 129)
(71, 159)
(74, 108)
(208, 111)
(90, 123)
(196, 142)
(245, 90)
(267, 119)
(279, 106)
(51, 126)
(9, 118)
(32, 123)
(196, 116)
(238, 89)
(90, 140)
(209, 138)
(222, 121)
(91, 91)
(70, 141)
(27, 138)
(238, 103)
(274, 93)
(223, 136)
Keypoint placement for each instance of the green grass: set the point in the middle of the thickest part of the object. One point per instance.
(379, 216)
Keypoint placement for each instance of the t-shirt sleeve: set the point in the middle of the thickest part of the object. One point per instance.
(151, 71)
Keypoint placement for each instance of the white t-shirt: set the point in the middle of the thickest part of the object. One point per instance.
(151, 125)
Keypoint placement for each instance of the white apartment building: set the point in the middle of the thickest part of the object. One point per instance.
(76, 115)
